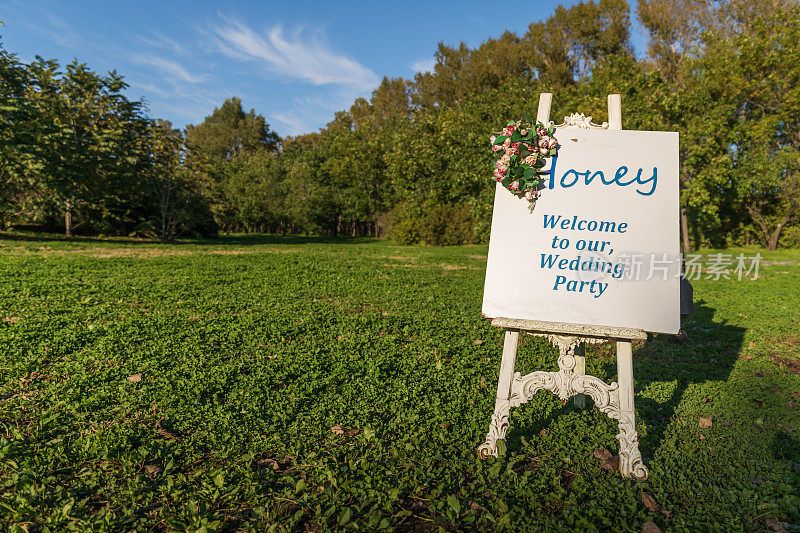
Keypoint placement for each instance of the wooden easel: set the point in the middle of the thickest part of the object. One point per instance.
(614, 399)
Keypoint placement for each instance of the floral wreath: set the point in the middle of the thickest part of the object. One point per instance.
(520, 153)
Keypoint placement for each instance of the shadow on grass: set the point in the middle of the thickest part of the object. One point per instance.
(710, 355)
(222, 240)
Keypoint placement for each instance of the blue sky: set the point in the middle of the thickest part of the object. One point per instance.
(294, 62)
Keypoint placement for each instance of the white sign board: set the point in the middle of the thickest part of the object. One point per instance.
(600, 246)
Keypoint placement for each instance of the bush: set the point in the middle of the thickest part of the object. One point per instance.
(435, 225)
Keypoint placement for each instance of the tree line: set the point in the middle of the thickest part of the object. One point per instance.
(412, 161)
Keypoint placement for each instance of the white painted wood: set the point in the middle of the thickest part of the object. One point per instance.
(543, 113)
(630, 459)
(578, 330)
(580, 370)
(614, 112)
(502, 403)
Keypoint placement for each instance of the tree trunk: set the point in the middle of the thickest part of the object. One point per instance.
(772, 244)
(687, 247)
(771, 238)
(68, 218)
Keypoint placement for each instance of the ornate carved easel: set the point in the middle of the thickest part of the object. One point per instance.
(614, 399)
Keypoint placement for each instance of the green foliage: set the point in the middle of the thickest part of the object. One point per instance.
(252, 382)
(437, 225)
(230, 132)
(721, 73)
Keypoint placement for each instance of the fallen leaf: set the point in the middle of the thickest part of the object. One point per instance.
(787, 429)
(725, 423)
(791, 405)
(759, 374)
(351, 432)
(776, 525)
(165, 432)
(705, 400)
(542, 433)
(705, 422)
(135, 378)
(650, 503)
(12, 319)
(477, 342)
(269, 462)
(445, 425)
(608, 461)
(653, 505)
(743, 316)
(339, 430)
(650, 527)
(474, 506)
(152, 469)
(751, 344)
(482, 383)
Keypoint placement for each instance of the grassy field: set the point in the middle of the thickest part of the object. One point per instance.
(269, 383)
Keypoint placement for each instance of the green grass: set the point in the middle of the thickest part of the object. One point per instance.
(251, 349)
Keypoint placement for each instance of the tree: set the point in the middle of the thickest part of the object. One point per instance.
(230, 132)
(88, 140)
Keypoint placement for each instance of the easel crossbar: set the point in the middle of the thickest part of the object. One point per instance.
(607, 332)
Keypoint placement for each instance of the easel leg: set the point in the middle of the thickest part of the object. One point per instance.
(580, 370)
(499, 424)
(630, 459)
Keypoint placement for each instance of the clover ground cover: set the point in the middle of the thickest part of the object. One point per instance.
(252, 382)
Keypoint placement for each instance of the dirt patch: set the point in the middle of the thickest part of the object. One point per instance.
(150, 253)
(456, 267)
(792, 365)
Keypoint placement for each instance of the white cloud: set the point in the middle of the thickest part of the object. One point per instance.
(161, 41)
(173, 68)
(293, 124)
(424, 65)
(296, 56)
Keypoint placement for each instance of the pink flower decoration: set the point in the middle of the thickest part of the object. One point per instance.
(496, 147)
(514, 186)
(499, 174)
